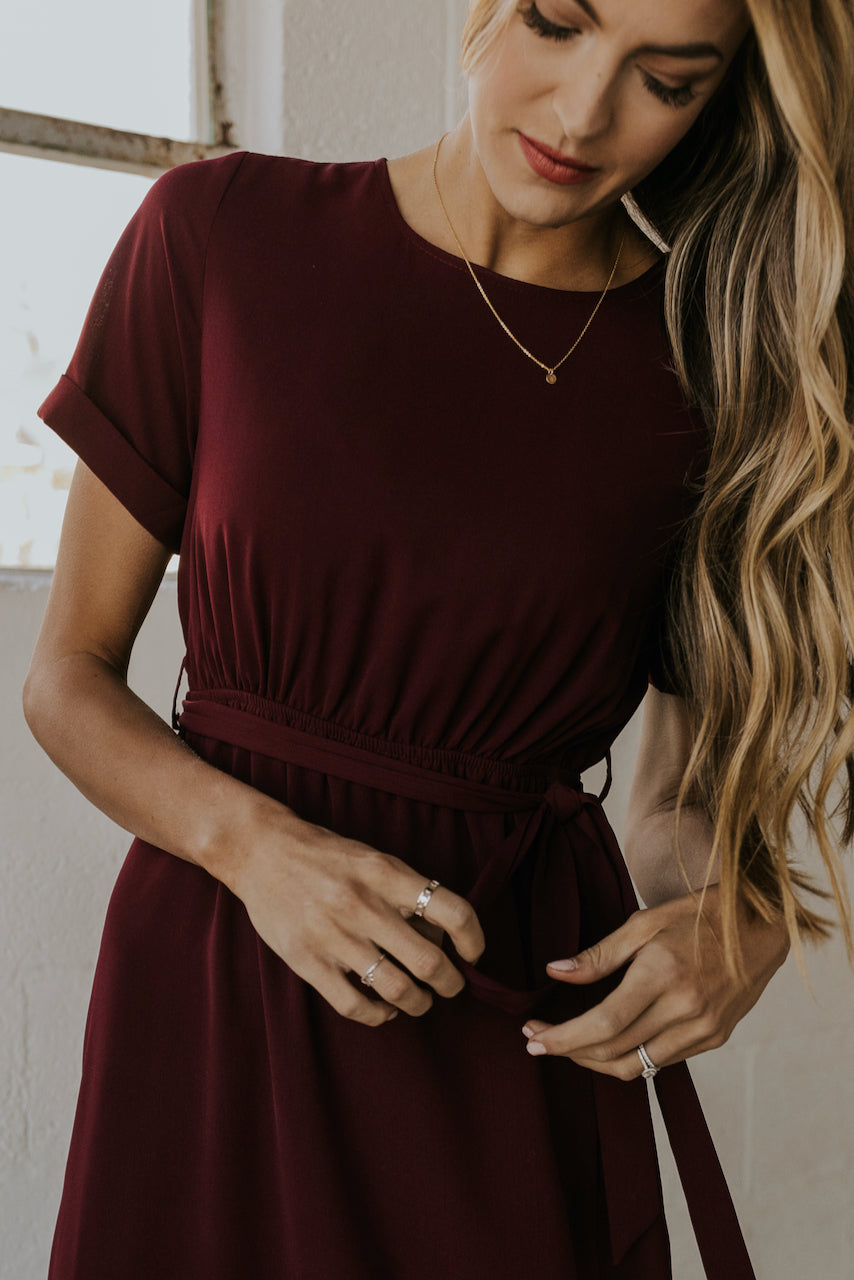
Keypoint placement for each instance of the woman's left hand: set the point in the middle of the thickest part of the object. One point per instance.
(676, 997)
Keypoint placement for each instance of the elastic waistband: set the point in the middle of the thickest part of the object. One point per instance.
(465, 781)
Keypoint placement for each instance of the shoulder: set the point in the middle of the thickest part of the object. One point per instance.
(190, 194)
(256, 198)
(255, 180)
(187, 198)
(248, 192)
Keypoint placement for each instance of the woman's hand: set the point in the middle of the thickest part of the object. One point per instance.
(325, 904)
(329, 906)
(676, 998)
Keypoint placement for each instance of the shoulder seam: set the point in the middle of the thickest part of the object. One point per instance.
(214, 217)
(203, 288)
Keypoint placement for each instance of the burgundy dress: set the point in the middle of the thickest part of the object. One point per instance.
(419, 589)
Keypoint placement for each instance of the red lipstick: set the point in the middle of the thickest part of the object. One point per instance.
(552, 165)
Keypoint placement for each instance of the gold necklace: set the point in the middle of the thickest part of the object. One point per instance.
(550, 370)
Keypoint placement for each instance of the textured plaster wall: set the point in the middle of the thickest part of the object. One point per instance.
(338, 79)
(59, 857)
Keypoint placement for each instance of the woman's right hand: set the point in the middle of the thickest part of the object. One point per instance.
(328, 905)
(325, 904)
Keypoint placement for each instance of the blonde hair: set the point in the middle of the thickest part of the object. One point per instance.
(757, 205)
(486, 21)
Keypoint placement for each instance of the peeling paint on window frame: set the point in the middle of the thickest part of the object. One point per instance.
(55, 138)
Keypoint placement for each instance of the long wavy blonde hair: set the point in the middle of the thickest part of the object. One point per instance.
(757, 206)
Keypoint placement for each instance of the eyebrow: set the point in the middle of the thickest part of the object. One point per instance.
(699, 49)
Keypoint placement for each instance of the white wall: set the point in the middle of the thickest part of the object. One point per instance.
(59, 857)
(336, 79)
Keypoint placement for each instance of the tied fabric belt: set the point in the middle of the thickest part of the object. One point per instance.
(575, 859)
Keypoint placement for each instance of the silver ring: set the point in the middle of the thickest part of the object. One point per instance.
(368, 975)
(424, 896)
(649, 1067)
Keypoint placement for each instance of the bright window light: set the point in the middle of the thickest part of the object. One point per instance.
(58, 224)
(109, 62)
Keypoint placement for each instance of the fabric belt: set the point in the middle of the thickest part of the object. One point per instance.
(576, 860)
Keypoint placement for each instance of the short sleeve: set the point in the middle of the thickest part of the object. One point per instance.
(128, 403)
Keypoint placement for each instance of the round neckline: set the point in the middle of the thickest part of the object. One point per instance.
(630, 289)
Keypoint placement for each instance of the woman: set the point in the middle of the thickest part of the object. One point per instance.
(424, 578)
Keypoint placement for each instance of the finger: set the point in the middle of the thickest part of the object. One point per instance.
(457, 917)
(533, 1027)
(665, 1038)
(682, 1011)
(610, 953)
(642, 1031)
(672, 1045)
(329, 981)
(417, 953)
(627, 1067)
(432, 932)
(392, 984)
(635, 997)
(445, 908)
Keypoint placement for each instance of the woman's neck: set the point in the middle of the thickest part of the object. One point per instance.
(575, 256)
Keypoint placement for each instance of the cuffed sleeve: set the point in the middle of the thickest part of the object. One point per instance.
(128, 403)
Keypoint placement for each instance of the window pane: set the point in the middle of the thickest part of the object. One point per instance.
(120, 63)
(58, 225)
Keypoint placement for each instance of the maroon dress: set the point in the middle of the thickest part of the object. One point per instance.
(419, 589)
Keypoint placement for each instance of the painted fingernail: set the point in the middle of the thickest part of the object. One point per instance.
(528, 1031)
(563, 966)
(535, 1048)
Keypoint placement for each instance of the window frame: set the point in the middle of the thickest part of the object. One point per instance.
(28, 133)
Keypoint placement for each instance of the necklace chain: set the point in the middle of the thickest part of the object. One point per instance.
(550, 370)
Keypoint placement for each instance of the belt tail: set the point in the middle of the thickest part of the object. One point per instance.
(713, 1217)
(632, 1185)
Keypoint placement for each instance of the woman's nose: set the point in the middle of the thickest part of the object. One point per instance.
(584, 102)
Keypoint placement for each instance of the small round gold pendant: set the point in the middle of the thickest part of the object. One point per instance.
(551, 377)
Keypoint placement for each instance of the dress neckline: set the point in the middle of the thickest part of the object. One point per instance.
(638, 287)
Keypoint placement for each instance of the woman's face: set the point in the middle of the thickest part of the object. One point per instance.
(613, 84)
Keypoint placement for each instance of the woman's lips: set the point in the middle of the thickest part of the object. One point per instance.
(549, 164)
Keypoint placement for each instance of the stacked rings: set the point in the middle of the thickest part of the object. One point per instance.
(649, 1067)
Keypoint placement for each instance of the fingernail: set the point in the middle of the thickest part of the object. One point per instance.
(563, 966)
(535, 1048)
(528, 1031)
(392, 1015)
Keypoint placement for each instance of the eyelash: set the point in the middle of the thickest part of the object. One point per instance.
(551, 31)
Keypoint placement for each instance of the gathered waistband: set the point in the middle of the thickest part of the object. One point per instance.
(458, 779)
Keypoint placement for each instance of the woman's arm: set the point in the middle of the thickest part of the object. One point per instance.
(112, 746)
(649, 843)
(324, 903)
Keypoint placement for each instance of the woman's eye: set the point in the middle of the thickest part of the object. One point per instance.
(543, 27)
(532, 18)
(665, 93)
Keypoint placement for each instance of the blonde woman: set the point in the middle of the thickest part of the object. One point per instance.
(457, 458)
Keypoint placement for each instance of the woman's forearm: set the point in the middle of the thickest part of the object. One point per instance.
(651, 855)
(125, 759)
(322, 902)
